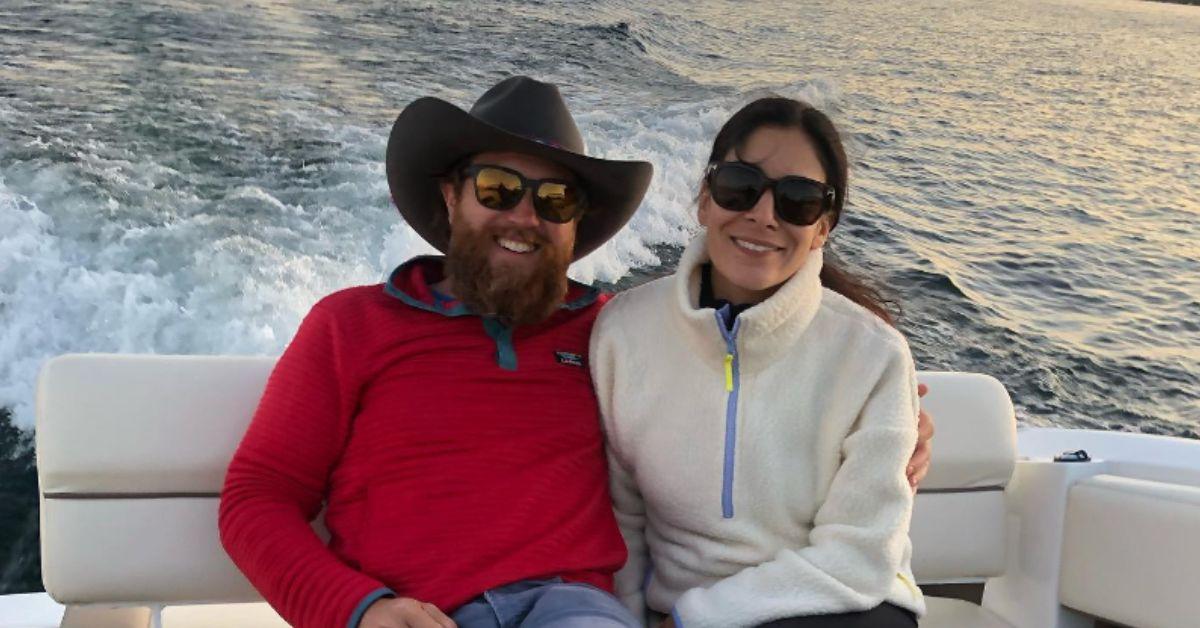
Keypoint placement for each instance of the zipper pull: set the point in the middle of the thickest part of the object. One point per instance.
(728, 372)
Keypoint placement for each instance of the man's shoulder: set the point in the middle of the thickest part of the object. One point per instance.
(583, 302)
(352, 295)
(352, 298)
(584, 311)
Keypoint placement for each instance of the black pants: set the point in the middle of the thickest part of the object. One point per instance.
(883, 616)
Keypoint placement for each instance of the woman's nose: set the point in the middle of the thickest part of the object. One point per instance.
(763, 211)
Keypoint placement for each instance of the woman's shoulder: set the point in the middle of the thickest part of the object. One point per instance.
(638, 302)
(856, 320)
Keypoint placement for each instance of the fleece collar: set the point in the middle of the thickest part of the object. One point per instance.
(412, 281)
(765, 330)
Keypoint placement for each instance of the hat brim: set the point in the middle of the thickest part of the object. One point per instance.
(431, 135)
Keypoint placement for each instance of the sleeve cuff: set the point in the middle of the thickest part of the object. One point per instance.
(366, 603)
(675, 618)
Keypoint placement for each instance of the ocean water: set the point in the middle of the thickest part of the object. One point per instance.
(190, 177)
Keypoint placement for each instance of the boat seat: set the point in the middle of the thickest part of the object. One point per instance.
(958, 530)
(246, 615)
(132, 452)
(949, 613)
(1108, 573)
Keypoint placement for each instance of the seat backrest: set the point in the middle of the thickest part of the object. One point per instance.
(1129, 541)
(131, 456)
(132, 452)
(958, 526)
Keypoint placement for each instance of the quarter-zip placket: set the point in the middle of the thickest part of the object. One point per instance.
(499, 332)
(732, 386)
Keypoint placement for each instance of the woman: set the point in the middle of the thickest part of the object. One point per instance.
(759, 406)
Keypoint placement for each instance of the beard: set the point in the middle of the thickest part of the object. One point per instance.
(517, 294)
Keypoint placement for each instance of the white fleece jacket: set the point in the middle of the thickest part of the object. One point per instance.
(757, 474)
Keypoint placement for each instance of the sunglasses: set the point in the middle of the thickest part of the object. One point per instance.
(737, 186)
(499, 188)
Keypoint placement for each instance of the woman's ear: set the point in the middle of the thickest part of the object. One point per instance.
(824, 225)
(702, 201)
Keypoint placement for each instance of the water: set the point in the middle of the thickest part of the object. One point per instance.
(187, 178)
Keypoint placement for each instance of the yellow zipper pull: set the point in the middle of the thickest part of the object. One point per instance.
(728, 372)
(908, 583)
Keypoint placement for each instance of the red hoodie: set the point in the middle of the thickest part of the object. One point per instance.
(453, 455)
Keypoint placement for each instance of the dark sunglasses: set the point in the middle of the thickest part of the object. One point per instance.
(737, 186)
(499, 188)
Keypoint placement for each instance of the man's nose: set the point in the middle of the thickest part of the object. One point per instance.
(524, 214)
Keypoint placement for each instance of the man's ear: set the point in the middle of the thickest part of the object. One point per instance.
(450, 197)
(824, 225)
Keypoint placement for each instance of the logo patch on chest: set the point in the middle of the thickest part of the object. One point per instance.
(568, 358)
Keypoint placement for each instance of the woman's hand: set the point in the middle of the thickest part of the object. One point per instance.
(404, 612)
(918, 465)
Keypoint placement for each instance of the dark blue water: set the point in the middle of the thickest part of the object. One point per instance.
(190, 177)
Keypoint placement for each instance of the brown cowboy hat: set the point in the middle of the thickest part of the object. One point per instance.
(517, 114)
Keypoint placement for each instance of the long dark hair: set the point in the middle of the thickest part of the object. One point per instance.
(782, 112)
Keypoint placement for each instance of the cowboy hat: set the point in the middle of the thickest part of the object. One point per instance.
(518, 114)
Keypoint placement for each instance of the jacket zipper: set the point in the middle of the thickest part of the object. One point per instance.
(732, 386)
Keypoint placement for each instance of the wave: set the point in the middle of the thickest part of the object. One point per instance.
(619, 32)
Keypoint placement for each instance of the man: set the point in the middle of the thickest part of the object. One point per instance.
(446, 418)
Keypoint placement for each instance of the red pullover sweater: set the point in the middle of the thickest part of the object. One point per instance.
(452, 454)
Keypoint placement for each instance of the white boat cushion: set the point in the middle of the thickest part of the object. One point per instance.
(139, 423)
(975, 444)
(132, 452)
(137, 550)
(170, 423)
(1109, 572)
(947, 613)
(942, 613)
(220, 615)
(958, 525)
(958, 536)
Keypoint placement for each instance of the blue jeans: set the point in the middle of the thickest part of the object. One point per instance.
(545, 604)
